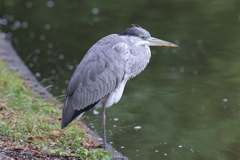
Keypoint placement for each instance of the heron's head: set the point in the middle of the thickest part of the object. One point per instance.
(139, 36)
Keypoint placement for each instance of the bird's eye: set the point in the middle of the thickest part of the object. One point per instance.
(142, 37)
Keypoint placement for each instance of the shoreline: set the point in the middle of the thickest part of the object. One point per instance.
(14, 63)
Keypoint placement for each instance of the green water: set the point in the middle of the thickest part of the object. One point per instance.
(185, 105)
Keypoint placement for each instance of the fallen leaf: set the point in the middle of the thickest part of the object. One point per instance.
(6, 113)
(30, 138)
(39, 138)
(14, 124)
(55, 132)
(88, 144)
(2, 106)
(60, 107)
(27, 81)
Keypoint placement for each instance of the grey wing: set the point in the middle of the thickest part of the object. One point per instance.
(98, 74)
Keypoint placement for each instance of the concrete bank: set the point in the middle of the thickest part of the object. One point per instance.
(14, 62)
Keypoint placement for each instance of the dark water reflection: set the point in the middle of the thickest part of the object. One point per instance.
(185, 105)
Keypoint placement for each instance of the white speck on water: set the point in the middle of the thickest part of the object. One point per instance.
(165, 143)
(29, 4)
(30, 64)
(31, 34)
(66, 81)
(115, 119)
(3, 35)
(199, 42)
(177, 41)
(37, 74)
(42, 37)
(165, 154)
(95, 10)
(122, 147)
(114, 125)
(111, 142)
(180, 146)
(95, 112)
(61, 56)
(195, 72)
(53, 71)
(24, 24)
(70, 67)
(17, 24)
(10, 18)
(50, 4)
(225, 100)
(50, 45)
(181, 69)
(153, 51)
(9, 35)
(4, 22)
(156, 151)
(47, 26)
(137, 127)
(137, 150)
(37, 51)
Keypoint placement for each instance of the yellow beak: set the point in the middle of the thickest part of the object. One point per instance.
(158, 42)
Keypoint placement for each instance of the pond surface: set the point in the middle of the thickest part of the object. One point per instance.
(185, 105)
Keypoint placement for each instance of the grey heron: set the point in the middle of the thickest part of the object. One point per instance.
(101, 76)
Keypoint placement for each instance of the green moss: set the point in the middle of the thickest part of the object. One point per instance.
(31, 122)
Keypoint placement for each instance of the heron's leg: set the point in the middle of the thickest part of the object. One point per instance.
(104, 126)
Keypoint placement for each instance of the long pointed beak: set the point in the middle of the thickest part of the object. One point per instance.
(158, 42)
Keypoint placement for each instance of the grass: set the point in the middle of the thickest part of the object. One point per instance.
(33, 124)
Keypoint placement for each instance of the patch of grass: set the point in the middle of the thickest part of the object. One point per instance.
(31, 123)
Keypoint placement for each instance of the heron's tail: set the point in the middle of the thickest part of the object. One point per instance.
(69, 113)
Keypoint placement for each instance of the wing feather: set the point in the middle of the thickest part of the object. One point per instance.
(97, 75)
